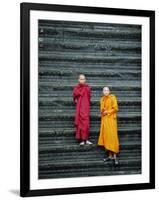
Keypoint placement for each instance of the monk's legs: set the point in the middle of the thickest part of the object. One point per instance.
(114, 155)
(81, 140)
(84, 139)
(111, 156)
(108, 156)
(116, 162)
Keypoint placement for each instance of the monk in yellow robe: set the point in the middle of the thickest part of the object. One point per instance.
(108, 129)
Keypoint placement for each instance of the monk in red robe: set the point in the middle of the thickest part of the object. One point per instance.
(81, 97)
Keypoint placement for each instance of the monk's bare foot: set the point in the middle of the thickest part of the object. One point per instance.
(88, 142)
(82, 143)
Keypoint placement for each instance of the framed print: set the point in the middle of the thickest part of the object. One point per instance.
(87, 99)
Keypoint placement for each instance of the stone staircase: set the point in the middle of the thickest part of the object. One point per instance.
(108, 54)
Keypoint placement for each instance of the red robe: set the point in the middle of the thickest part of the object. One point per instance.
(81, 97)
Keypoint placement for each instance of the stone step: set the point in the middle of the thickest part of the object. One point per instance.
(87, 28)
(71, 140)
(81, 26)
(103, 77)
(94, 109)
(97, 152)
(88, 66)
(67, 123)
(109, 60)
(53, 125)
(93, 134)
(75, 147)
(97, 90)
(55, 122)
(118, 57)
(81, 158)
(104, 171)
(89, 152)
(96, 52)
(94, 82)
(116, 85)
(78, 55)
(94, 100)
(89, 161)
(65, 100)
(76, 164)
(87, 45)
(99, 172)
(88, 35)
(91, 37)
(96, 116)
(123, 96)
(62, 131)
(46, 72)
(60, 109)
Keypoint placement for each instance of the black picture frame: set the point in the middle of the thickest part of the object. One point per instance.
(25, 9)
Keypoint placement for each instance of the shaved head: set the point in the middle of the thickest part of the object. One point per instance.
(106, 87)
(106, 91)
(81, 78)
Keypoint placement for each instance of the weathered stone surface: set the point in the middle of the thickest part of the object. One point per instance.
(108, 54)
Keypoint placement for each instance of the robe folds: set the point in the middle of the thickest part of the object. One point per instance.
(81, 97)
(108, 136)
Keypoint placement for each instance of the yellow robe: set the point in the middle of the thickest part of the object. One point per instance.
(108, 136)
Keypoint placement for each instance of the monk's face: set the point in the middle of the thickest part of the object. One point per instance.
(106, 91)
(82, 79)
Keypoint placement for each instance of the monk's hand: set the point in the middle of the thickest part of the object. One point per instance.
(105, 112)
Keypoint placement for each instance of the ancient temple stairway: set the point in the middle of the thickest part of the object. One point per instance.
(108, 54)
